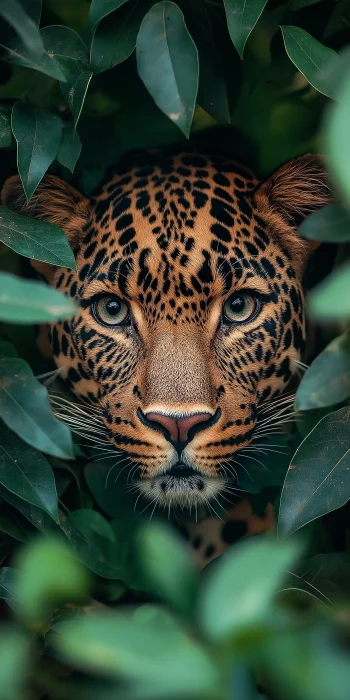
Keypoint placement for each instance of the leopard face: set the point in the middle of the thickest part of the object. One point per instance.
(190, 307)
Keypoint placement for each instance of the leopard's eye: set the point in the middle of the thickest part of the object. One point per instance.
(110, 310)
(241, 307)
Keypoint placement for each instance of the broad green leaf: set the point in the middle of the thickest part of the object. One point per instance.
(114, 38)
(327, 381)
(101, 478)
(74, 92)
(13, 524)
(336, 135)
(330, 300)
(33, 9)
(270, 470)
(299, 4)
(8, 585)
(82, 548)
(330, 224)
(35, 239)
(70, 147)
(239, 593)
(38, 134)
(13, 12)
(87, 519)
(15, 663)
(329, 573)
(318, 479)
(167, 63)
(5, 126)
(7, 349)
(242, 16)
(168, 565)
(146, 645)
(18, 54)
(47, 576)
(310, 57)
(26, 473)
(102, 8)
(25, 408)
(27, 301)
(65, 47)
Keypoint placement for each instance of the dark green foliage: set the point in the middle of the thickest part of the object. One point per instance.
(81, 84)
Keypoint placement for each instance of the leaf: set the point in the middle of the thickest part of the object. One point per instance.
(38, 134)
(5, 126)
(336, 136)
(27, 301)
(7, 349)
(167, 63)
(310, 57)
(26, 473)
(70, 147)
(106, 489)
(318, 479)
(74, 91)
(102, 8)
(14, 662)
(66, 48)
(47, 576)
(330, 300)
(169, 566)
(327, 381)
(8, 587)
(87, 519)
(25, 408)
(19, 55)
(13, 12)
(299, 4)
(241, 589)
(35, 239)
(330, 224)
(114, 38)
(242, 16)
(13, 524)
(146, 645)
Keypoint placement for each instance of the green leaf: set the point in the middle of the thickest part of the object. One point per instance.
(26, 473)
(241, 589)
(38, 134)
(7, 349)
(167, 63)
(101, 478)
(5, 126)
(87, 519)
(337, 139)
(35, 239)
(102, 8)
(299, 4)
(25, 408)
(169, 566)
(27, 301)
(330, 224)
(14, 663)
(74, 92)
(13, 524)
(310, 57)
(19, 55)
(70, 147)
(318, 479)
(8, 587)
(47, 576)
(14, 14)
(330, 300)
(114, 38)
(327, 381)
(147, 646)
(66, 48)
(242, 16)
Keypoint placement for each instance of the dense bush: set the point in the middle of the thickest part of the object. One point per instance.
(105, 604)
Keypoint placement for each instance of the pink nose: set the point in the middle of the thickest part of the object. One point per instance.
(178, 427)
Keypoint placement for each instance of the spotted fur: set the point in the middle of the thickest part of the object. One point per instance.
(174, 235)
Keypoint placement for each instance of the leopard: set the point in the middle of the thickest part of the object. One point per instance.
(190, 315)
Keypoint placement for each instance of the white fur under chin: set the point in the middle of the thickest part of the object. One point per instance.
(184, 492)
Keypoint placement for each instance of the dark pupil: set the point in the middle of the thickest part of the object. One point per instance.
(238, 304)
(113, 307)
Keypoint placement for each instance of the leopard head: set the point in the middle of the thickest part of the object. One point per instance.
(190, 306)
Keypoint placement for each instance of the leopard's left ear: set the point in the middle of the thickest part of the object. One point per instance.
(295, 190)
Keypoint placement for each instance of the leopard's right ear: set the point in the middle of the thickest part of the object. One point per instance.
(55, 201)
